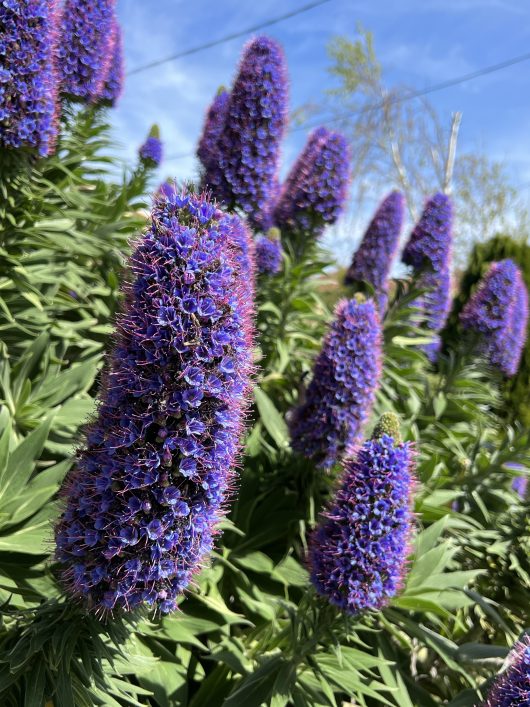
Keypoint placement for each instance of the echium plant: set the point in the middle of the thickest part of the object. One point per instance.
(208, 147)
(429, 251)
(373, 259)
(341, 394)
(358, 552)
(85, 49)
(114, 82)
(28, 78)
(151, 151)
(316, 188)
(152, 479)
(249, 143)
(497, 313)
(512, 687)
(269, 252)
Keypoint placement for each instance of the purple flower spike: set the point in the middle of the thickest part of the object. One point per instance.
(208, 148)
(497, 313)
(152, 480)
(517, 332)
(512, 686)
(429, 253)
(28, 78)
(345, 379)
(151, 151)
(269, 253)
(358, 552)
(315, 190)
(249, 143)
(113, 87)
(85, 51)
(246, 262)
(373, 259)
(520, 485)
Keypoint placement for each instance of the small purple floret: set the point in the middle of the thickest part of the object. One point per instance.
(315, 191)
(154, 475)
(342, 391)
(358, 553)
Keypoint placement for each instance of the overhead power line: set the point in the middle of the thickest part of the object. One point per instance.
(408, 96)
(229, 37)
(421, 92)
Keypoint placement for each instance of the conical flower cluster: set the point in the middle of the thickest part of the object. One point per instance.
(512, 687)
(429, 253)
(114, 82)
(28, 78)
(358, 553)
(342, 391)
(315, 190)
(497, 313)
(373, 259)
(249, 143)
(85, 50)
(208, 147)
(151, 151)
(269, 255)
(150, 484)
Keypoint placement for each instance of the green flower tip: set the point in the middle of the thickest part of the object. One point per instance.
(155, 131)
(388, 425)
(273, 234)
(359, 297)
(221, 89)
(462, 465)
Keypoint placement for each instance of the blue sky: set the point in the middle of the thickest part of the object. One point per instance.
(418, 42)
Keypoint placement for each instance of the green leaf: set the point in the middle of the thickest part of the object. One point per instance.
(21, 461)
(36, 684)
(271, 418)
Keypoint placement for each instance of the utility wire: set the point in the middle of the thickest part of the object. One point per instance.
(228, 37)
(408, 96)
(421, 92)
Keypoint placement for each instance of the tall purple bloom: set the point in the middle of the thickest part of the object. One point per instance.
(85, 50)
(315, 190)
(208, 148)
(245, 257)
(249, 143)
(358, 553)
(497, 313)
(512, 686)
(341, 394)
(28, 78)
(114, 80)
(520, 485)
(150, 483)
(151, 152)
(429, 252)
(373, 259)
(269, 253)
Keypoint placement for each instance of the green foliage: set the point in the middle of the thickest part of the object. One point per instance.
(251, 631)
(515, 390)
